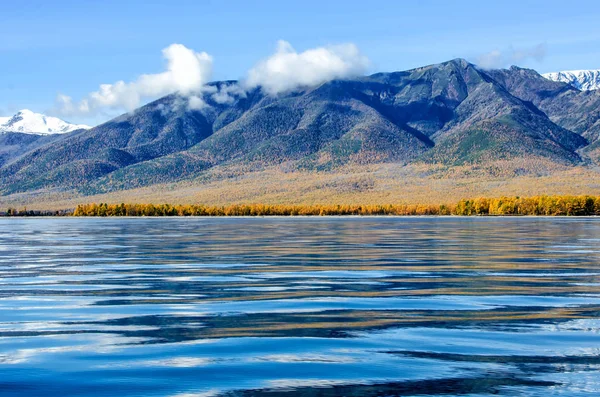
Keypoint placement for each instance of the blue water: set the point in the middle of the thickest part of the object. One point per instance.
(300, 306)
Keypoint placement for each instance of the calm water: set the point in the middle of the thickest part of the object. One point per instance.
(310, 307)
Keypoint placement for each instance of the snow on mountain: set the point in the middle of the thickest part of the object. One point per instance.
(28, 122)
(585, 80)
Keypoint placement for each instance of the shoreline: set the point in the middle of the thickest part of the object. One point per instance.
(302, 216)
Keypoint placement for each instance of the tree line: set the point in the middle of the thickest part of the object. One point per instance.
(25, 212)
(537, 205)
(104, 209)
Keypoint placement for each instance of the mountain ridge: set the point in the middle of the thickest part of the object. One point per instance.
(452, 113)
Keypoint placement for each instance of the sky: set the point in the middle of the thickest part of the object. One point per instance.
(55, 55)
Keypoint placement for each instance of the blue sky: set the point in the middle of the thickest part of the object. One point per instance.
(71, 47)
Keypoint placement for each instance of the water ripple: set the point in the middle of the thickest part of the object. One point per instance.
(299, 306)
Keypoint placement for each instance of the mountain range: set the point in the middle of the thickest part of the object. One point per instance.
(584, 80)
(451, 114)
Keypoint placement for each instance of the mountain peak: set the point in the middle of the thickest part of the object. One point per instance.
(456, 62)
(584, 80)
(460, 61)
(29, 122)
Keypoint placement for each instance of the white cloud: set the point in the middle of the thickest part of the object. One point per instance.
(498, 59)
(66, 105)
(186, 73)
(227, 93)
(287, 69)
(196, 102)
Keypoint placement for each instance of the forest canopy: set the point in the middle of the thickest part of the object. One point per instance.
(538, 205)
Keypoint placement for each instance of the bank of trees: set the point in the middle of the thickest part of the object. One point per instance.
(104, 209)
(25, 212)
(539, 205)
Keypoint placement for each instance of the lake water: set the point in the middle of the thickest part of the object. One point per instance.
(300, 306)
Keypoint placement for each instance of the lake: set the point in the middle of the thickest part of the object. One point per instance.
(300, 306)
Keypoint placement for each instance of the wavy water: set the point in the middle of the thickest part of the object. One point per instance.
(299, 306)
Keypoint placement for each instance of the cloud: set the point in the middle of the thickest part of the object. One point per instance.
(497, 59)
(196, 102)
(224, 94)
(287, 69)
(227, 93)
(66, 106)
(186, 73)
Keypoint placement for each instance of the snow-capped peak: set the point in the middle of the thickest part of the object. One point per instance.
(584, 80)
(28, 122)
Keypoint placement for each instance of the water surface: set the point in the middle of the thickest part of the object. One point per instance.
(299, 306)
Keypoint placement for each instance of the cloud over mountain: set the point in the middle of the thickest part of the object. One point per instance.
(501, 58)
(187, 71)
(288, 69)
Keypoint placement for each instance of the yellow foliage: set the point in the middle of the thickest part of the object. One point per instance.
(537, 205)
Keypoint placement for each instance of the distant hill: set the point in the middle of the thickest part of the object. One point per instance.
(450, 114)
(584, 80)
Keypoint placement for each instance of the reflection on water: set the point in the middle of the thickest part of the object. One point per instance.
(297, 306)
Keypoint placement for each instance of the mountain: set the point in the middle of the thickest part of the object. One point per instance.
(15, 144)
(584, 80)
(28, 122)
(151, 131)
(450, 114)
(566, 106)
